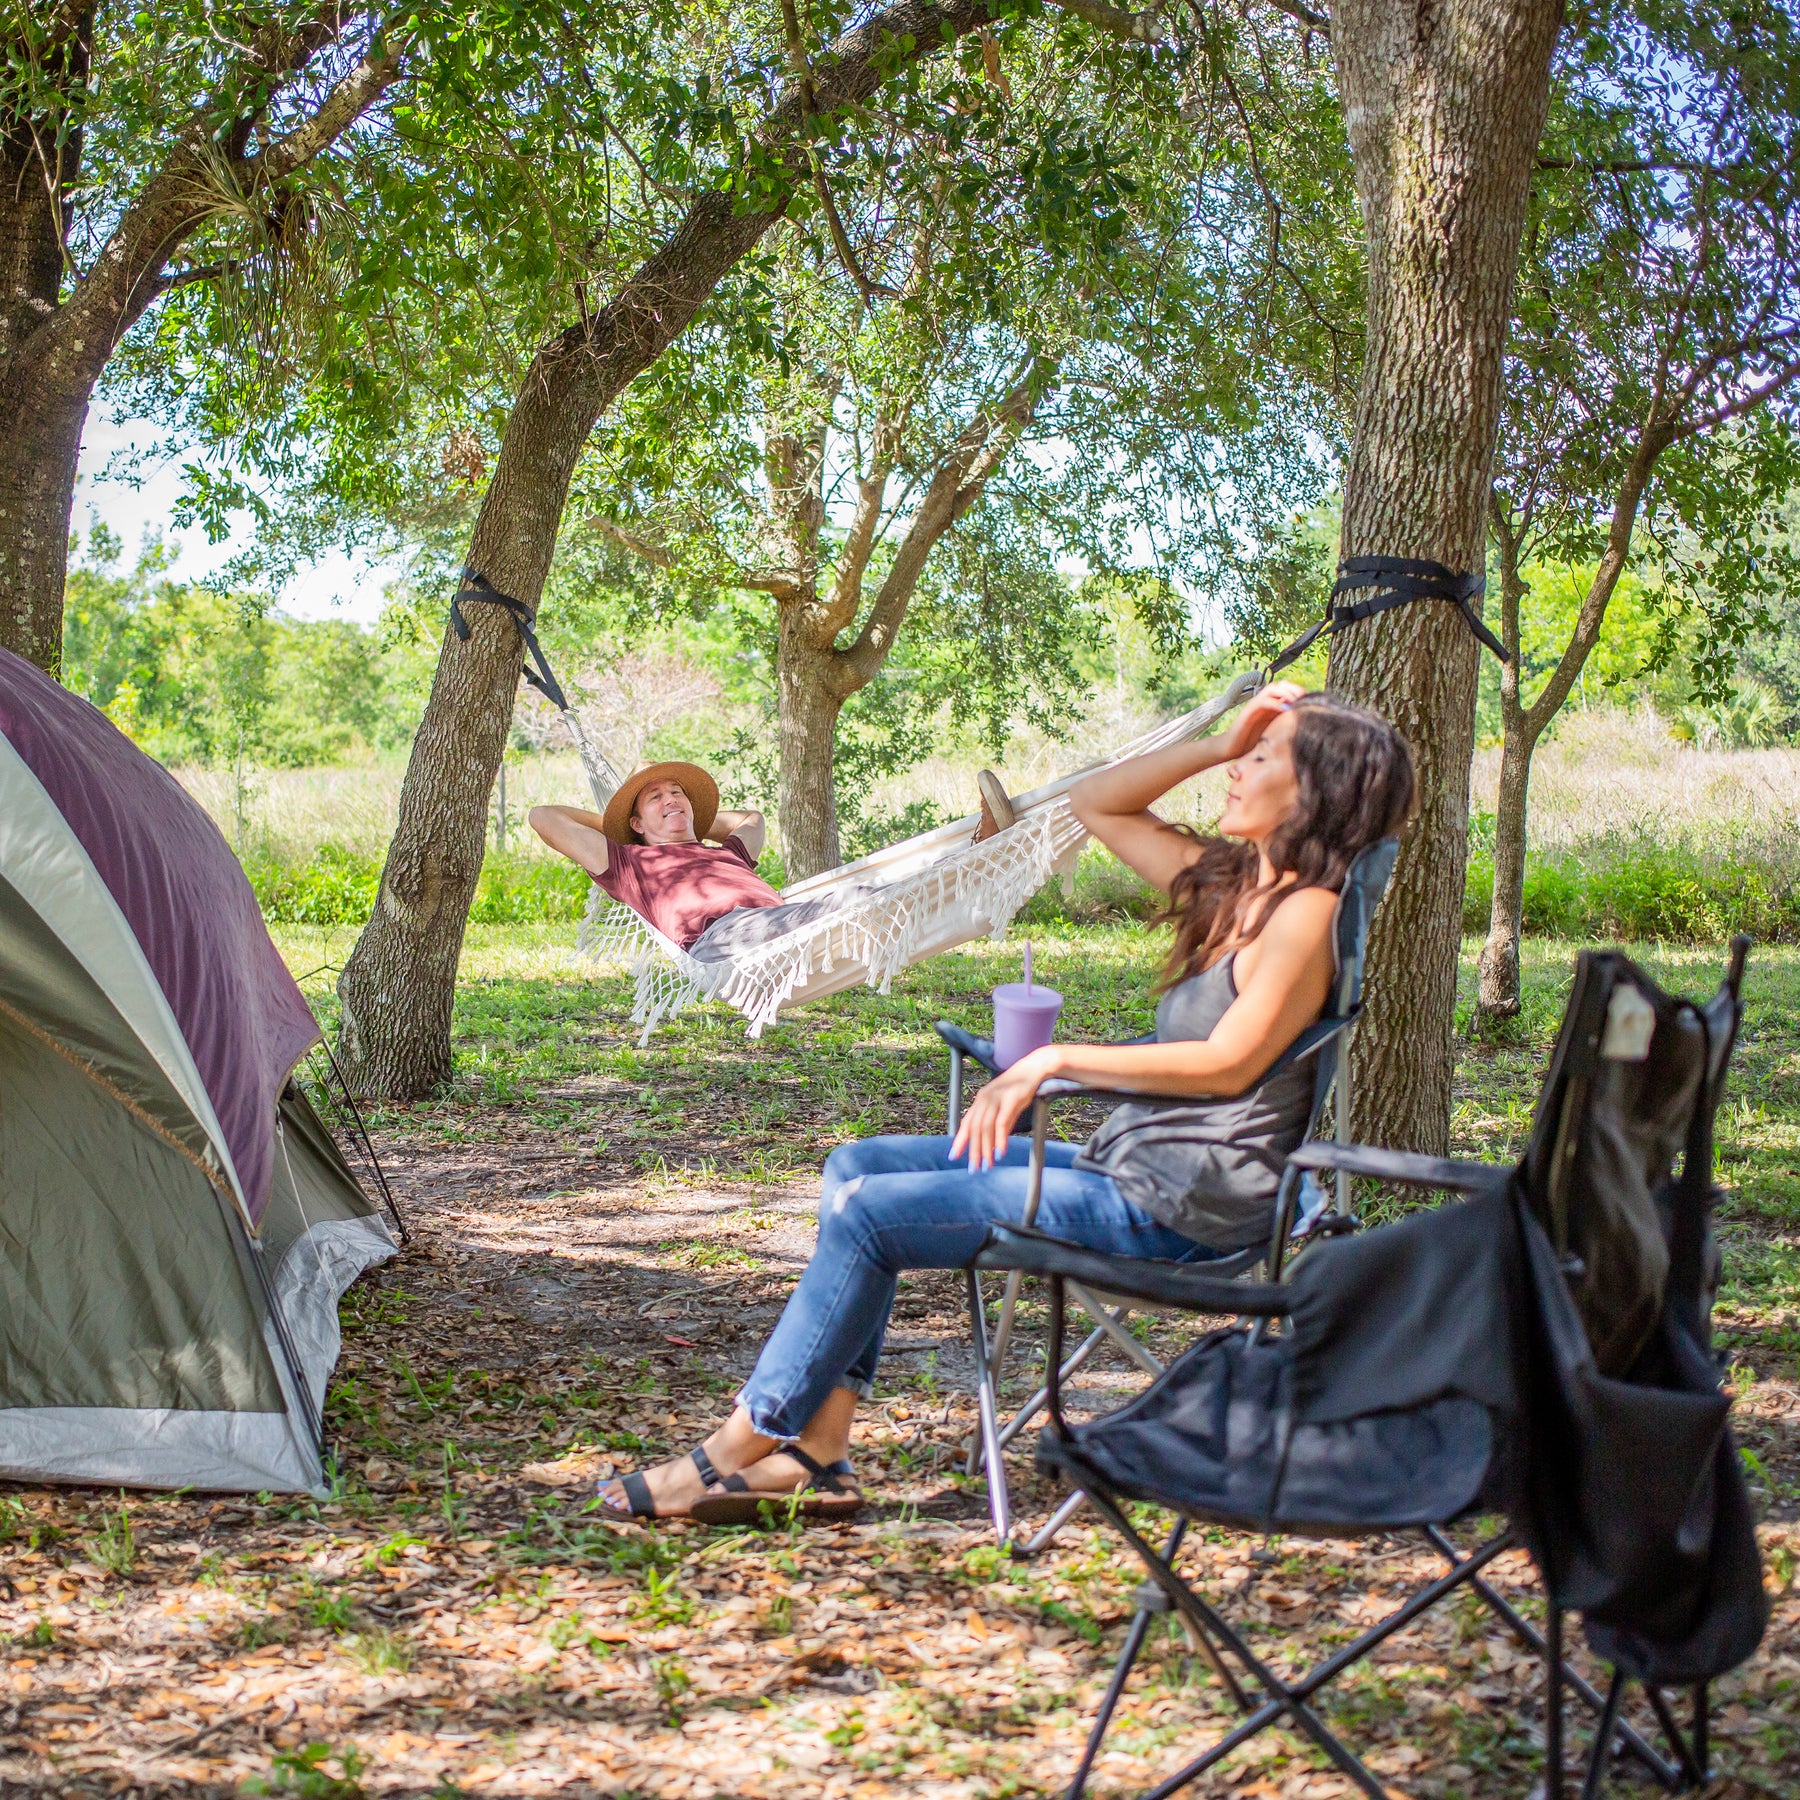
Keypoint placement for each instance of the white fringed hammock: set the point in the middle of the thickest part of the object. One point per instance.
(938, 890)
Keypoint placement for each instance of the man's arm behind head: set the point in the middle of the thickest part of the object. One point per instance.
(578, 835)
(749, 828)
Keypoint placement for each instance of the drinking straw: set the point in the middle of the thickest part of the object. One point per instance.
(1028, 967)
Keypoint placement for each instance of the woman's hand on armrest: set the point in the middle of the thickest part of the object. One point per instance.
(577, 834)
(995, 1110)
(1286, 990)
(747, 827)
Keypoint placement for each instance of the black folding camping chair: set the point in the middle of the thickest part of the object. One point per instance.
(1538, 1350)
(1303, 1208)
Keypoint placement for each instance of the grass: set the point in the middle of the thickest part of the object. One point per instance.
(1632, 834)
(451, 1623)
(541, 1036)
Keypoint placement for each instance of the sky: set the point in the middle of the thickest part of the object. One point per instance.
(336, 587)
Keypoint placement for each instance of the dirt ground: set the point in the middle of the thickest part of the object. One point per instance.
(456, 1619)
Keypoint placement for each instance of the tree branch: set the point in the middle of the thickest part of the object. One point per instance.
(651, 553)
(1642, 165)
(1302, 14)
(957, 484)
(1653, 440)
(1133, 28)
(337, 112)
(127, 275)
(859, 542)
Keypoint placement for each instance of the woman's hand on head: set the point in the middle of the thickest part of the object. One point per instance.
(988, 1123)
(1258, 716)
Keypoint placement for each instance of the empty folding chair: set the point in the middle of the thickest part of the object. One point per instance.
(1302, 1208)
(1538, 1349)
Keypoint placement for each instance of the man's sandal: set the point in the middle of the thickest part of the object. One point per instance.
(638, 1501)
(824, 1495)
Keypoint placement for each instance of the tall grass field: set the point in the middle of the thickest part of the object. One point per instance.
(1633, 834)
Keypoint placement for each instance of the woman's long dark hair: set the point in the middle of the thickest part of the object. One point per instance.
(1355, 776)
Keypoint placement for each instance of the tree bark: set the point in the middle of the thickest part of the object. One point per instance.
(39, 448)
(1497, 968)
(1522, 726)
(398, 984)
(1443, 104)
(55, 345)
(808, 698)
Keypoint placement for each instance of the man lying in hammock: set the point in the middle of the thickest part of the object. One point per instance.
(664, 848)
(1188, 1173)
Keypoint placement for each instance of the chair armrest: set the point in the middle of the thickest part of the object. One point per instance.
(1186, 1286)
(1404, 1166)
(980, 1049)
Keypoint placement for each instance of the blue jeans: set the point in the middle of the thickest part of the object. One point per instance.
(893, 1203)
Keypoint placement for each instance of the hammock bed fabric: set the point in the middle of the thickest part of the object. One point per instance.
(936, 891)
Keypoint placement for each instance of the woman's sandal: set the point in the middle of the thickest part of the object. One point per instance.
(823, 1496)
(638, 1501)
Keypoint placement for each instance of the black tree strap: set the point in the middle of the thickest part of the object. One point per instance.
(1394, 581)
(478, 587)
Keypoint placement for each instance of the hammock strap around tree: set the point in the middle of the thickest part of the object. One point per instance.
(603, 779)
(1395, 581)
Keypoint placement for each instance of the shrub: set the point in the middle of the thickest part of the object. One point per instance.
(335, 886)
(1630, 888)
(517, 890)
(1636, 888)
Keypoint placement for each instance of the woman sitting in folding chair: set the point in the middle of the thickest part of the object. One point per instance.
(1190, 1175)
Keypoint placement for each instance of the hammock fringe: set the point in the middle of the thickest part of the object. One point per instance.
(939, 890)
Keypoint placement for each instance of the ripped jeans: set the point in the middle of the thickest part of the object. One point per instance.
(893, 1203)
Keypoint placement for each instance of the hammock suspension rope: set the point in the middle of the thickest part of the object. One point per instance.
(940, 889)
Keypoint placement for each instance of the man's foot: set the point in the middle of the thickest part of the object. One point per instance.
(996, 807)
(787, 1477)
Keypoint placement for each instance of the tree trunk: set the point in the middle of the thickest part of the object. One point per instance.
(42, 441)
(808, 701)
(57, 333)
(1499, 963)
(1497, 968)
(1443, 107)
(397, 986)
(39, 451)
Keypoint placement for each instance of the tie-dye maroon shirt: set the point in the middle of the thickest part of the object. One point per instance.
(682, 888)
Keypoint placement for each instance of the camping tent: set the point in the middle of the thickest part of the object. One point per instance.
(176, 1223)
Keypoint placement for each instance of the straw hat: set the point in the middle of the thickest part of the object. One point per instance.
(699, 787)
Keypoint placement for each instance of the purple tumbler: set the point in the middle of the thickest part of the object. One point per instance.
(1024, 1017)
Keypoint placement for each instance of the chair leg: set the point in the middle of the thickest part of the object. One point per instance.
(999, 1501)
(1113, 1324)
(1286, 1698)
(1041, 1398)
(1553, 1719)
(1009, 1305)
(1689, 1747)
(1128, 1655)
(1054, 1524)
(1667, 1773)
(1603, 1737)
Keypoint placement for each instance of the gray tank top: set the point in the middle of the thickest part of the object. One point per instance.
(1208, 1169)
